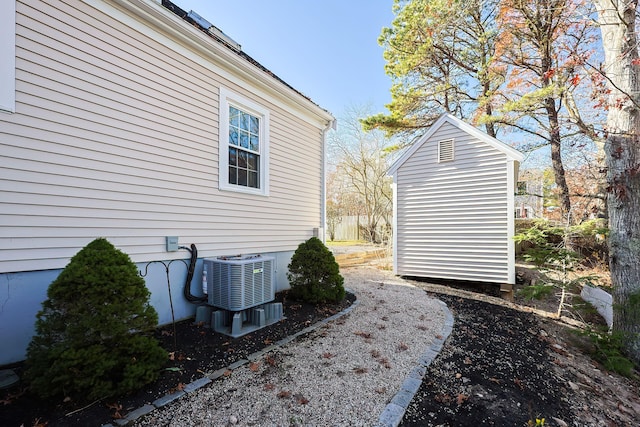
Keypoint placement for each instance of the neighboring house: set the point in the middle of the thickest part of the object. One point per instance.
(454, 205)
(529, 195)
(134, 120)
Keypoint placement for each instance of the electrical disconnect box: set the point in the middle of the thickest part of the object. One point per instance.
(172, 243)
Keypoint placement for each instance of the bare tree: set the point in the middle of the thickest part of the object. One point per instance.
(361, 163)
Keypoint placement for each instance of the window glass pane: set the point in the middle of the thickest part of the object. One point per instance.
(244, 121)
(244, 139)
(253, 179)
(242, 177)
(242, 159)
(233, 136)
(254, 144)
(255, 125)
(233, 156)
(233, 175)
(234, 115)
(252, 161)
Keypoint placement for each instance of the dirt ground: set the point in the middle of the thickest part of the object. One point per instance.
(505, 366)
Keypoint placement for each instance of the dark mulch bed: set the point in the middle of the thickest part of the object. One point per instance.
(494, 370)
(195, 351)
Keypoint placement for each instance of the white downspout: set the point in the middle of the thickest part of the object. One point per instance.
(332, 124)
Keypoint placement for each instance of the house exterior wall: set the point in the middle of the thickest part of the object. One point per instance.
(453, 219)
(115, 135)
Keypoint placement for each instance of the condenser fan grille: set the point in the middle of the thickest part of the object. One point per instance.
(238, 284)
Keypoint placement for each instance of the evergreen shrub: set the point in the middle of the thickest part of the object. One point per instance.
(314, 274)
(94, 332)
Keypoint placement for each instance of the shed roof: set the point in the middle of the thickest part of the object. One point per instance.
(511, 152)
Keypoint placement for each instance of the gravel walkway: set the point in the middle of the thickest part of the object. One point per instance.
(358, 370)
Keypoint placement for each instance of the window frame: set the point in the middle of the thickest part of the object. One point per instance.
(8, 58)
(230, 99)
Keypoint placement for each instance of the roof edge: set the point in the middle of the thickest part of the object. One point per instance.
(509, 151)
(154, 14)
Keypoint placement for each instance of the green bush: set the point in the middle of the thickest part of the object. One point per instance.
(314, 274)
(93, 334)
(537, 292)
(608, 350)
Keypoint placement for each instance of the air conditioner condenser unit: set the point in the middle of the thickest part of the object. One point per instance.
(238, 283)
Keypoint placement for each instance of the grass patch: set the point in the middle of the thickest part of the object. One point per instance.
(345, 242)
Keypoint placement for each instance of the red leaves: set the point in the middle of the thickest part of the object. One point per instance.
(270, 360)
(301, 399)
(461, 398)
(283, 394)
(635, 61)
(575, 80)
(549, 74)
(365, 335)
(116, 407)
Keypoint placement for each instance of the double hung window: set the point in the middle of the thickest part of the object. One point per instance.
(244, 143)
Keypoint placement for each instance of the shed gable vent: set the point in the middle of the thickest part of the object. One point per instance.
(445, 150)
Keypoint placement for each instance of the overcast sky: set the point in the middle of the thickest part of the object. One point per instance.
(326, 49)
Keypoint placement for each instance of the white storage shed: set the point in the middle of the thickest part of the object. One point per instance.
(454, 191)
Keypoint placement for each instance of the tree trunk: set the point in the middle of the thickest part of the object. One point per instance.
(622, 155)
(556, 159)
(555, 140)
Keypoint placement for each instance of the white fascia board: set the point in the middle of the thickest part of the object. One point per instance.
(210, 54)
(510, 152)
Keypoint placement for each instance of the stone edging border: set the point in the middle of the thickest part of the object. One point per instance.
(394, 411)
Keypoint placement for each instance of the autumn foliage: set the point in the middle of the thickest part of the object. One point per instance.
(92, 335)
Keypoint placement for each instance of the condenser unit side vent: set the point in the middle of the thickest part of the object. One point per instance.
(238, 284)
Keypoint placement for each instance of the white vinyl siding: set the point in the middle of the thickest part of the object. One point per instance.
(8, 56)
(116, 136)
(452, 218)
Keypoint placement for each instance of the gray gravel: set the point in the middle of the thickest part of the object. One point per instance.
(343, 373)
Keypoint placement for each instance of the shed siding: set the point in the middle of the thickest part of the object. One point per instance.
(452, 218)
(116, 135)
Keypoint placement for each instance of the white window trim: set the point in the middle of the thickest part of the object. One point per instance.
(8, 57)
(453, 150)
(228, 98)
